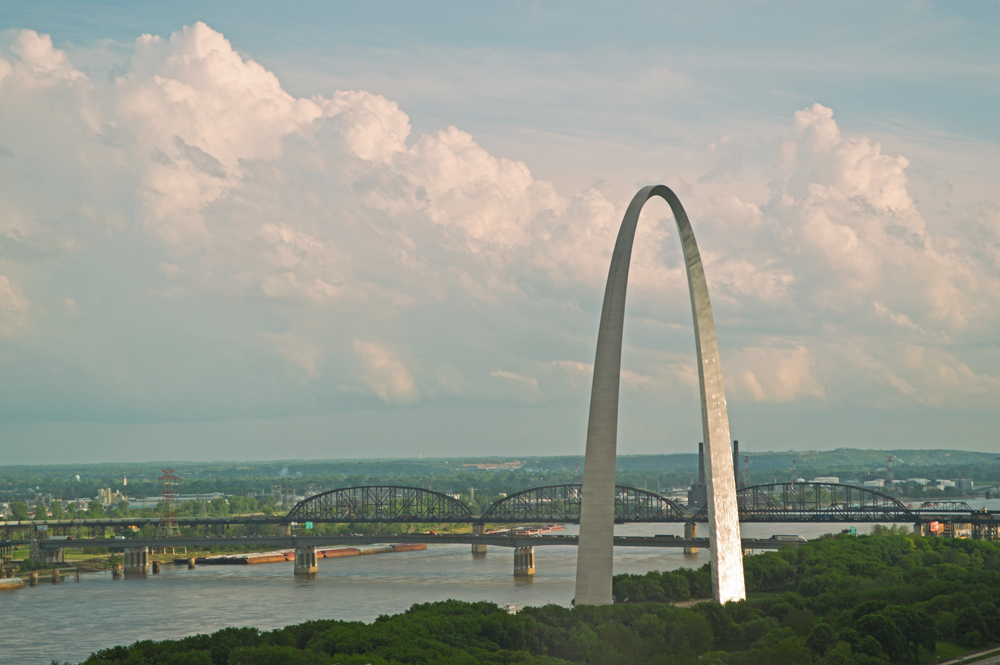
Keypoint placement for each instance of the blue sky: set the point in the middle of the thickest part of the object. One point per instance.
(339, 230)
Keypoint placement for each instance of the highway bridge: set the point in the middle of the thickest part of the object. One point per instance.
(558, 504)
(388, 504)
(497, 540)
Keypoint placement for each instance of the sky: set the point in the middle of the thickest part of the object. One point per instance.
(250, 230)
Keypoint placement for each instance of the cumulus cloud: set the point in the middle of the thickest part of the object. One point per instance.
(195, 182)
(384, 374)
(775, 374)
(13, 307)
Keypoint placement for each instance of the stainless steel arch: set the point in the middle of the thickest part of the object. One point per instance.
(597, 516)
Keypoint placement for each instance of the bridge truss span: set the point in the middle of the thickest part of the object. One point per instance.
(561, 504)
(383, 503)
(817, 502)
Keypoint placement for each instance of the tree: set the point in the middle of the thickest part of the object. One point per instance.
(19, 510)
(918, 629)
(970, 626)
(821, 638)
(884, 631)
(95, 509)
(870, 647)
(219, 506)
(57, 510)
(991, 620)
(40, 513)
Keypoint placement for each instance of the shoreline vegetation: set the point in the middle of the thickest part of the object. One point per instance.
(838, 600)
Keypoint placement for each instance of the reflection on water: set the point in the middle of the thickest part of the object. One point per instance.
(70, 620)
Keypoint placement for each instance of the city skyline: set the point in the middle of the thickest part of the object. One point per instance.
(342, 233)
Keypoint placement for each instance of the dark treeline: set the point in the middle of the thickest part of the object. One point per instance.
(840, 600)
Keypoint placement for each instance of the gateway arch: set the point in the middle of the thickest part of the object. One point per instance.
(597, 513)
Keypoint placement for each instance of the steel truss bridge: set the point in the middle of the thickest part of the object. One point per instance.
(497, 540)
(777, 502)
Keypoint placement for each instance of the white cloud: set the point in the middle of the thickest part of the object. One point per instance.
(304, 354)
(774, 374)
(384, 374)
(194, 175)
(13, 307)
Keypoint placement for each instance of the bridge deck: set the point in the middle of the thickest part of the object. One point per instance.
(292, 542)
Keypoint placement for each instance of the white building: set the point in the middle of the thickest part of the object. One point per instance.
(918, 481)
(878, 482)
(827, 479)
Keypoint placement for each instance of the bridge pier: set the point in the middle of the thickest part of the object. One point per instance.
(690, 531)
(305, 561)
(524, 562)
(136, 560)
(478, 530)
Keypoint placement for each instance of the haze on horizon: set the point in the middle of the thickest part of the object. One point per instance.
(244, 231)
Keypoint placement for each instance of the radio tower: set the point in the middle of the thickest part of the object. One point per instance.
(168, 523)
(888, 476)
(746, 471)
(577, 481)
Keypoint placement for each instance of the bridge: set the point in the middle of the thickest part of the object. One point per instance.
(137, 549)
(389, 504)
(560, 504)
(497, 540)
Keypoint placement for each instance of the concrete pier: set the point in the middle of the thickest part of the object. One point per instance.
(191, 563)
(33, 579)
(691, 531)
(478, 530)
(116, 571)
(305, 561)
(136, 560)
(156, 567)
(524, 561)
(56, 577)
(9, 583)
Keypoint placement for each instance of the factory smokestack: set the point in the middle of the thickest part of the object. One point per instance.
(701, 462)
(736, 463)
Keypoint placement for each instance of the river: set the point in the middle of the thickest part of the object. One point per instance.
(68, 621)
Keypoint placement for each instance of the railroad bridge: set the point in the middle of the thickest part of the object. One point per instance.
(553, 504)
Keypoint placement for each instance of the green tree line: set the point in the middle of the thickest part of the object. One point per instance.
(841, 600)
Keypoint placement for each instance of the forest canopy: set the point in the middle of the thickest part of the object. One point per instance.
(843, 600)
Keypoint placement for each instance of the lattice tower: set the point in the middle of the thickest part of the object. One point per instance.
(168, 522)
